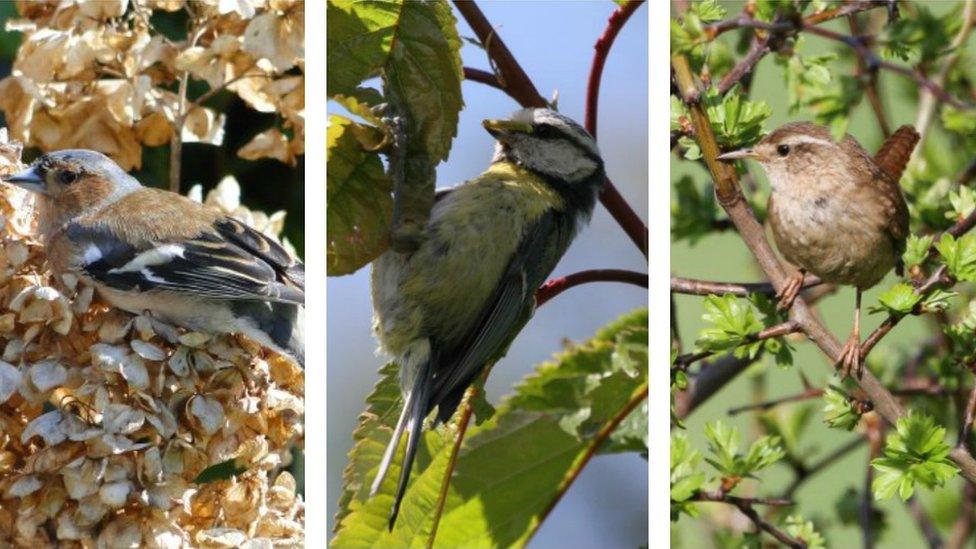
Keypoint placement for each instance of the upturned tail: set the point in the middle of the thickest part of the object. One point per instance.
(415, 408)
(894, 153)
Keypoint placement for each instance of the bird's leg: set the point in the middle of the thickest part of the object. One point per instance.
(789, 292)
(850, 356)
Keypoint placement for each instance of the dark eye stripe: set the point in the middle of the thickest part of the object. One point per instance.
(548, 131)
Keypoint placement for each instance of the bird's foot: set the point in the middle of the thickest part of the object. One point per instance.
(849, 360)
(789, 292)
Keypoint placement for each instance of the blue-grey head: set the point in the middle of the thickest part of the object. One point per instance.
(550, 144)
(76, 180)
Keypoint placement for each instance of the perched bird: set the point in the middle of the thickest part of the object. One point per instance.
(835, 211)
(146, 249)
(452, 306)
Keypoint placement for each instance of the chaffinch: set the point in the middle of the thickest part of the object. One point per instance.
(147, 249)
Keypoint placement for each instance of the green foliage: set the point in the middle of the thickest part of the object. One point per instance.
(814, 87)
(921, 38)
(736, 121)
(839, 410)
(686, 479)
(915, 455)
(899, 299)
(723, 443)
(688, 35)
(512, 465)
(916, 250)
(357, 194)
(734, 325)
(963, 203)
(693, 210)
(415, 49)
(804, 531)
(959, 255)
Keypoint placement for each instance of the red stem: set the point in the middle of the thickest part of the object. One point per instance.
(611, 199)
(556, 286)
(517, 84)
(484, 77)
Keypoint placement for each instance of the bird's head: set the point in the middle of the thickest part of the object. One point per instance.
(75, 181)
(550, 144)
(797, 149)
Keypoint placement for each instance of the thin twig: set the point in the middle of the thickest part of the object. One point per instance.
(925, 525)
(927, 102)
(639, 396)
(870, 80)
(556, 286)
(484, 77)
(692, 286)
(722, 497)
(821, 465)
(762, 524)
(782, 329)
(962, 530)
(462, 427)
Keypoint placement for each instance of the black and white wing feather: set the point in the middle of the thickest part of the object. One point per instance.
(232, 261)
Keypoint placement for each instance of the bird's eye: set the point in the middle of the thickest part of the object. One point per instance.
(544, 131)
(67, 177)
(783, 150)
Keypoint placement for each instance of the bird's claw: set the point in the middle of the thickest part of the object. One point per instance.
(789, 292)
(849, 360)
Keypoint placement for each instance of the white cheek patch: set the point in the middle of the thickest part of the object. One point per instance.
(91, 254)
(156, 256)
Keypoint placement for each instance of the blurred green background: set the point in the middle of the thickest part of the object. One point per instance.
(553, 41)
(266, 185)
(724, 257)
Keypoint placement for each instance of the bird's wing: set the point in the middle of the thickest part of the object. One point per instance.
(230, 261)
(541, 248)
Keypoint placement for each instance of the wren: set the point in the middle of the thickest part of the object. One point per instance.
(834, 210)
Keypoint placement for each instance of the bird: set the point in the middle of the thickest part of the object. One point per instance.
(453, 305)
(150, 250)
(835, 211)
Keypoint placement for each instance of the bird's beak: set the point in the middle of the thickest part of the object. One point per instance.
(503, 129)
(740, 154)
(28, 179)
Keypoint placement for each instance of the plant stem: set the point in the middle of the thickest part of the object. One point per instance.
(484, 77)
(637, 397)
(462, 427)
(692, 286)
(556, 286)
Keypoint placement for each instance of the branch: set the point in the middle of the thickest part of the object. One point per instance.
(929, 531)
(517, 85)
(556, 286)
(870, 80)
(721, 497)
(927, 102)
(484, 77)
(962, 530)
(831, 458)
(782, 329)
(761, 523)
(741, 289)
(462, 428)
(730, 196)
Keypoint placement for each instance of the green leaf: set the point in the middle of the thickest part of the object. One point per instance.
(733, 325)
(959, 255)
(916, 250)
(724, 445)
(736, 121)
(899, 299)
(511, 467)
(804, 531)
(839, 410)
(963, 203)
(693, 210)
(686, 478)
(415, 47)
(358, 196)
(359, 38)
(914, 455)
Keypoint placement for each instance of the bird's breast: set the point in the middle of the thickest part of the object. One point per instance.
(836, 233)
(441, 288)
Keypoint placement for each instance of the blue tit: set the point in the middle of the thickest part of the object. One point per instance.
(452, 306)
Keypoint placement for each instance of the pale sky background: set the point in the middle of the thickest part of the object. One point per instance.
(553, 41)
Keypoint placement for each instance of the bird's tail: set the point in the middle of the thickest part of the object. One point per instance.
(412, 420)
